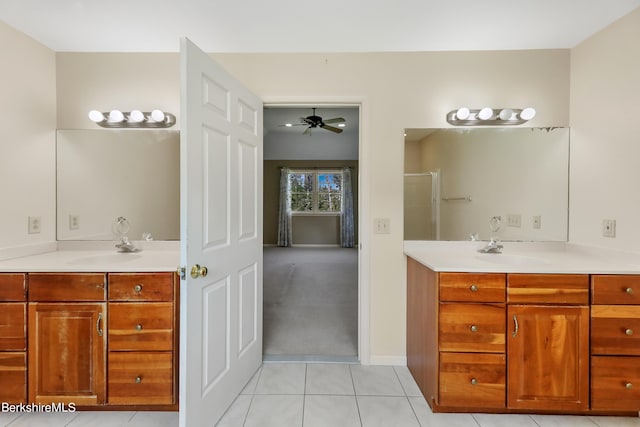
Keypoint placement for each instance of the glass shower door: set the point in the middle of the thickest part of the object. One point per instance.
(421, 206)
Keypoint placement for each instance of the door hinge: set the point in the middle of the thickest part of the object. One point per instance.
(181, 272)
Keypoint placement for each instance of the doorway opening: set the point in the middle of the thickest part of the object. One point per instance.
(311, 209)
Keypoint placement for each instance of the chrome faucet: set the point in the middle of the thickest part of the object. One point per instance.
(125, 245)
(120, 228)
(493, 247)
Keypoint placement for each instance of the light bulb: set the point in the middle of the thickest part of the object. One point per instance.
(157, 116)
(528, 113)
(462, 113)
(485, 113)
(116, 116)
(96, 116)
(288, 125)
(136, 116)
(505, 114)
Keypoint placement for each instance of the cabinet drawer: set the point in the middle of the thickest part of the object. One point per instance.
(65, 287)
(141, 326)
(470, 287)
(472, 380)
(615, 289)
(472, 327)
(13, 287)
(13, 377)
(615, 329)
(140, 378)
(141, 286)
(615, 383)
(13, 321)
(548, 288)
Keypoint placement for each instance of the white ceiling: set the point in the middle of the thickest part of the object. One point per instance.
(326, 26)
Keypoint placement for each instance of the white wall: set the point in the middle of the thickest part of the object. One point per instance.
(400, 90)
(27, 142)
(322, 145)
(605, 140)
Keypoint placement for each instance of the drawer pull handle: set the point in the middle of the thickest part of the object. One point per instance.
(137, 288)
(138, 327)
(629, 291)
(473, 328)
(473, 288)
(138, 380)
(99, 324)
(474, 381)
(628, 331)
(515, 326)
(628, 385)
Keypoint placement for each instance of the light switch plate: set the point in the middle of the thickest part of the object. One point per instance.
(609, 227)
(35, 225)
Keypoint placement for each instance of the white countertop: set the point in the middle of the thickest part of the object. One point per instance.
(98, 257)
(523, 257)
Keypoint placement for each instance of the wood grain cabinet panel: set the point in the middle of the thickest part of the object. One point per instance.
(141, 286)
(13, 287)
(67, 348)
(140, 326)
(141, 378)
(67, 287)
(548, 289)
(472, 287)
(616, 383)
(13, 377)
(472, 327)
(13, 326)
(615, 330)
(548, 357)
(615, 289)
(472, 380)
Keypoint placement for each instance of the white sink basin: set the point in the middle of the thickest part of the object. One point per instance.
(109, 259)
(509, 259)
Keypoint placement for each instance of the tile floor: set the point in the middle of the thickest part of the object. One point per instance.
(322, 395)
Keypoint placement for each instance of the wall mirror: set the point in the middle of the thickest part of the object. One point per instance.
(507, 183)
(105, 174)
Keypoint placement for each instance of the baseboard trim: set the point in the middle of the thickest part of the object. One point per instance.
(388, 360)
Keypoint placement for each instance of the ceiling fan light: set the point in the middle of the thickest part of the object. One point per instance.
(528, 113)
(288, 125)
(341, 125)
(485, 113)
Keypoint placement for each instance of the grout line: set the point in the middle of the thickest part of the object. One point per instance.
(398, 378)
(474, 419)
(355, 395)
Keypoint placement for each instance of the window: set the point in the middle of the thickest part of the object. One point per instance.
(316, 192)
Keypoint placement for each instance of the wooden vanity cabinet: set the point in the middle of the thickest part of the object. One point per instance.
(142, 356)
(548, 342)
(67, 339)
(615, 342)
(13, 338)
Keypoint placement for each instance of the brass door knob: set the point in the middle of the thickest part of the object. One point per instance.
(197, 271)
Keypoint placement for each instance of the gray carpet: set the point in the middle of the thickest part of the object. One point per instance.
(310, 303)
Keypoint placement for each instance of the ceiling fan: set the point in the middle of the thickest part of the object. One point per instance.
(314, 121)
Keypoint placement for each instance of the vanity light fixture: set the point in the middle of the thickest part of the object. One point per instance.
(132, 119)
(490, 116)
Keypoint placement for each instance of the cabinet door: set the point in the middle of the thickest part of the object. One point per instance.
(67, 349)
(548, 357)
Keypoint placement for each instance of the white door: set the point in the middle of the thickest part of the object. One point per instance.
(221, 229)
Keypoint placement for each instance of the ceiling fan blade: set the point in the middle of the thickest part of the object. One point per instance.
(336, 120)
(307, 131)
(331, 128)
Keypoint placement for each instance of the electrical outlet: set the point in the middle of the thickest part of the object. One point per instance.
(609, 227)
(74, 222)
(382, 225)
(514, 220)
(537, 221)
(35, 224)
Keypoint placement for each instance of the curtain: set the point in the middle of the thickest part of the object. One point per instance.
(284, 214)
(346, 218)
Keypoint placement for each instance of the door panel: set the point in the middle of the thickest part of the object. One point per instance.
(221, 229)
